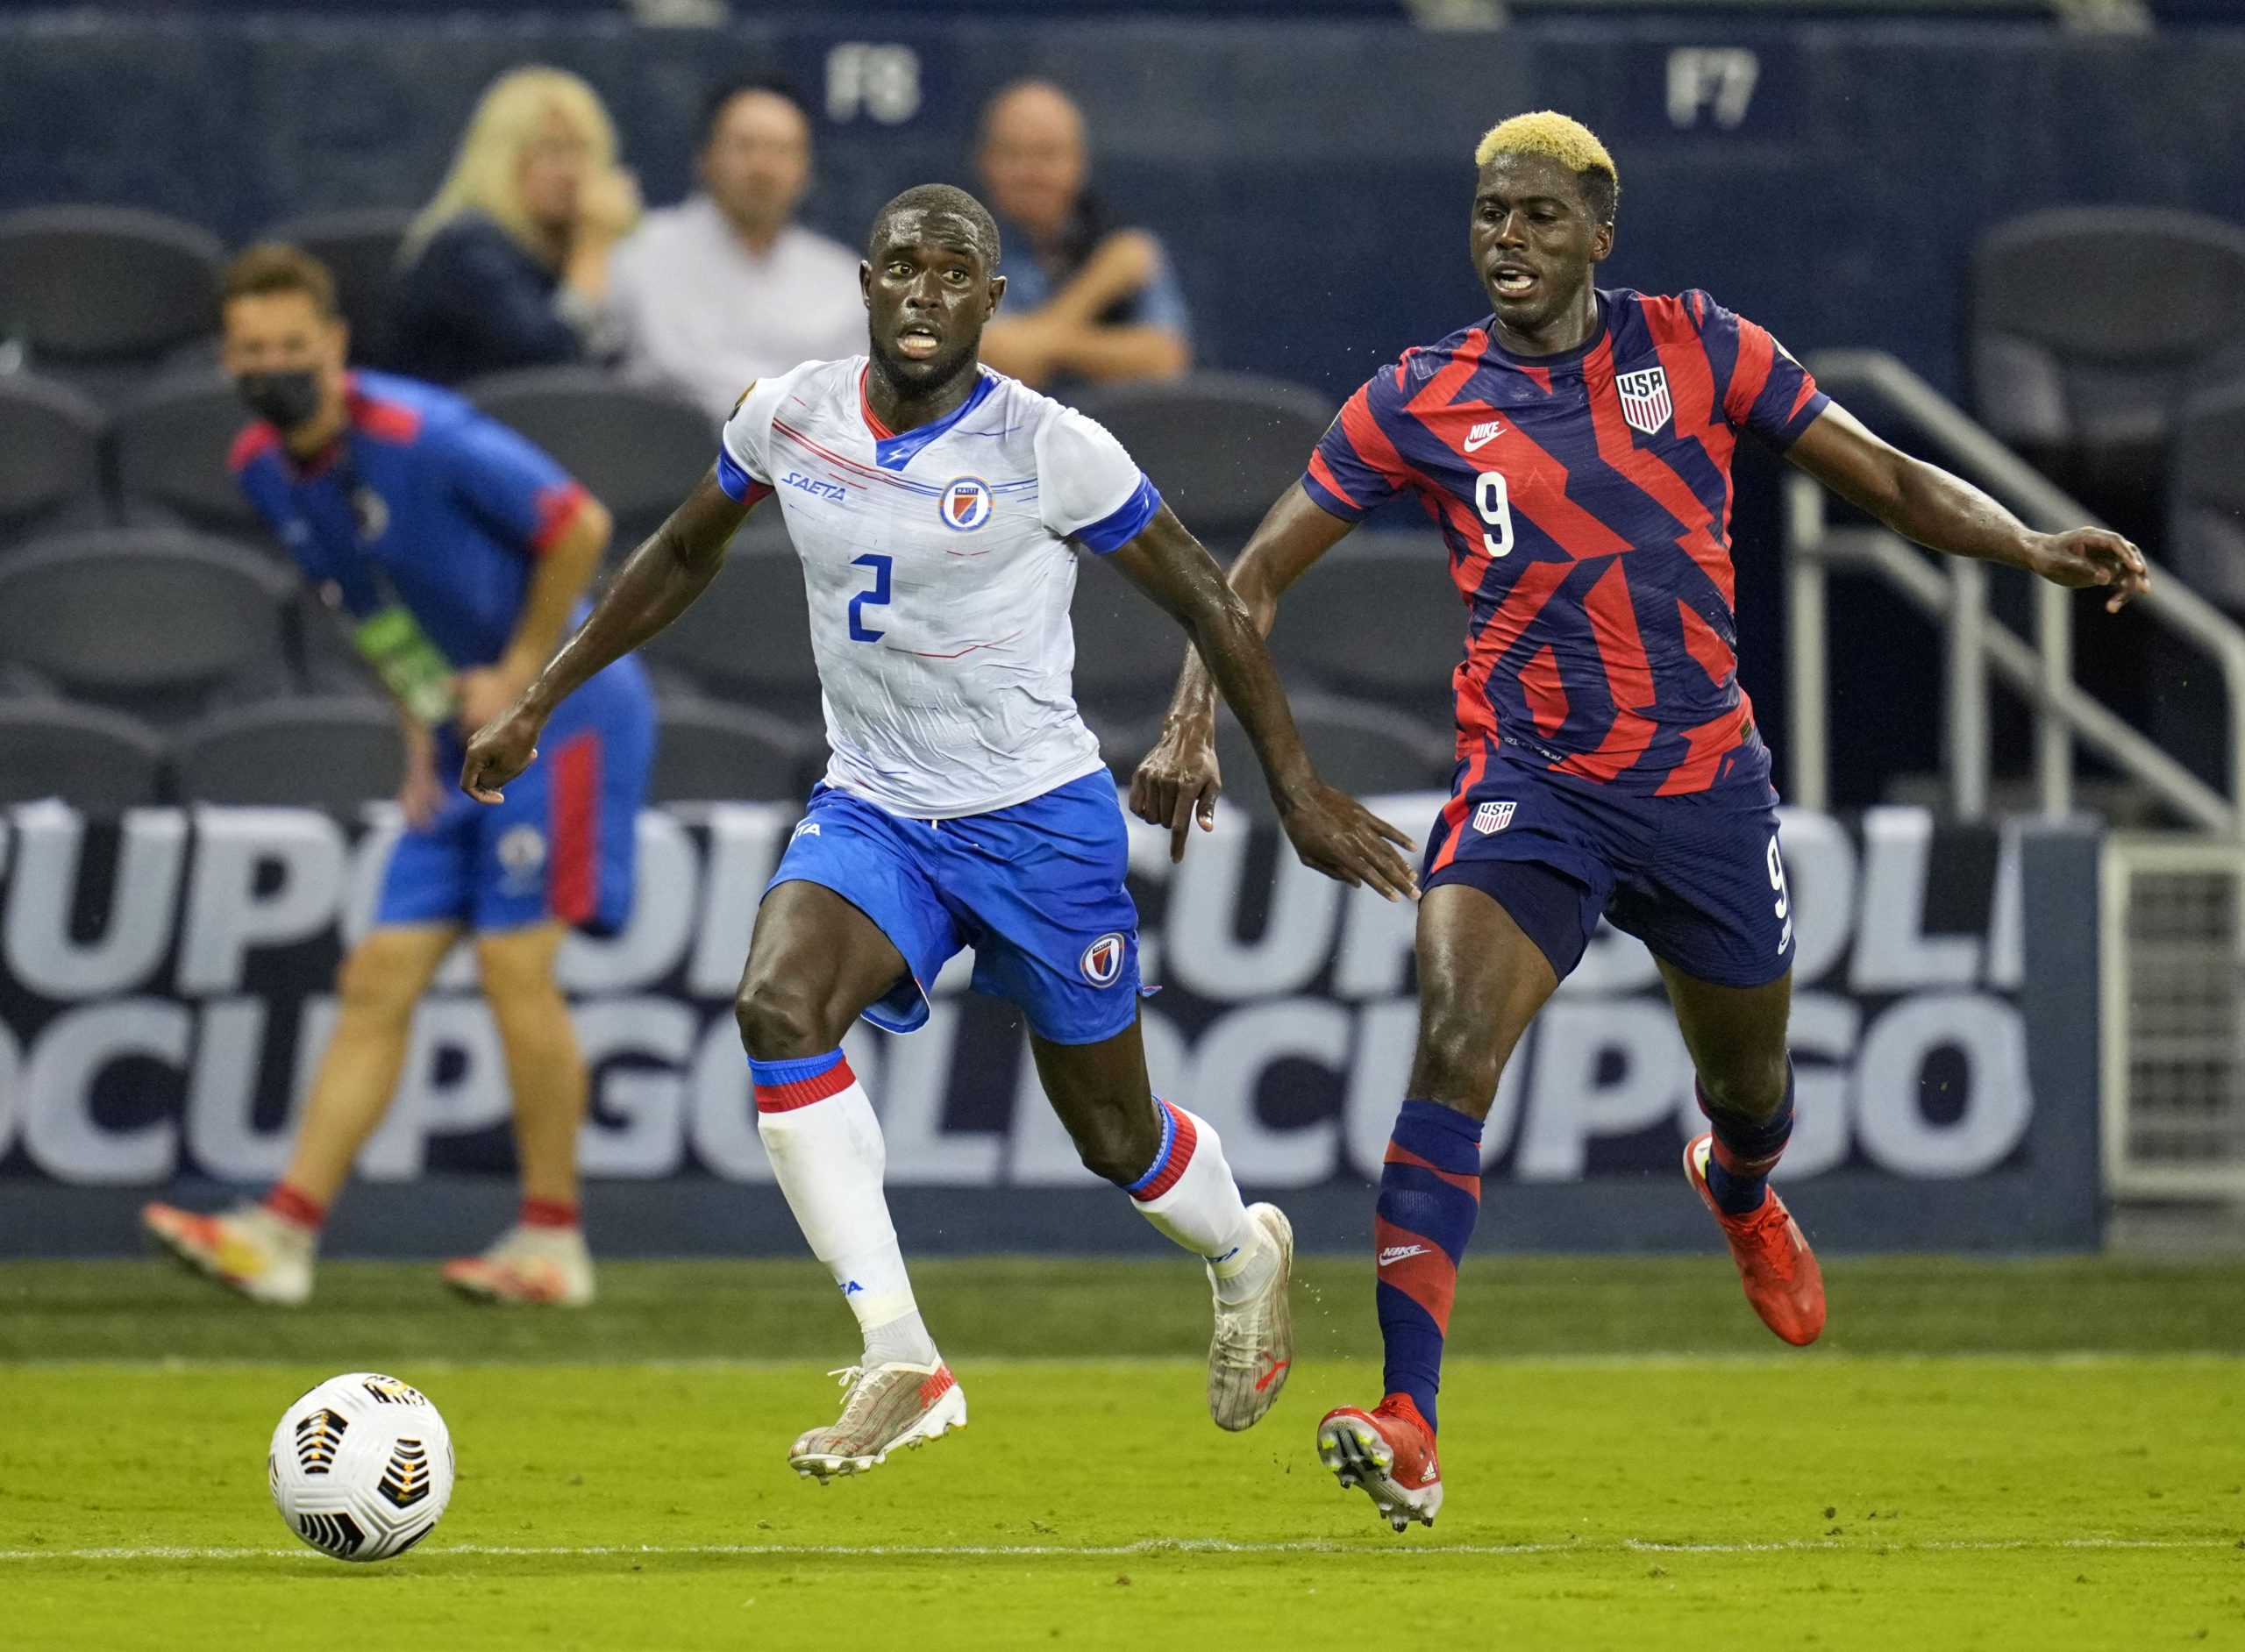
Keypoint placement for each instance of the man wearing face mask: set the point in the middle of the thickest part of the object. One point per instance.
(455, 554)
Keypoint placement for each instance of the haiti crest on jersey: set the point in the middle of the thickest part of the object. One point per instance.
(1103, 960)
(1645, 406)
(965, 504)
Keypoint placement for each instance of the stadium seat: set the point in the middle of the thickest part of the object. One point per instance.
(96, 760)
(360, 248)
(2091, 326)
(640, 451)
(1378, 616)
(93, 286)
(330, 754)
(1364, 750)
(50, 453)
(714, 753)
(1127, 650)
(2207, 497)
(152, 621)
(748, 635)
(171, 442)
(1221, 447)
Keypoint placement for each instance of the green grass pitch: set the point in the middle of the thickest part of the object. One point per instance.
(2006, 1455)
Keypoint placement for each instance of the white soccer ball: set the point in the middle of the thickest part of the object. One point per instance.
(361, 1467)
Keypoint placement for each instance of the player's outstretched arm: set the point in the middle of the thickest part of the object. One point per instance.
(656, 584)
(1180, 780)
(1331, 831)
(1925, 503)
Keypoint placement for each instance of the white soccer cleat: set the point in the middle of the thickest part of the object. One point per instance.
(248, 1250)
(887, 1406)
(528, 1266)
(1253, 1348)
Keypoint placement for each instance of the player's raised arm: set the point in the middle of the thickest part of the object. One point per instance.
(657, 583)
(1926, 504)
(1330, 831)
(1180, 779)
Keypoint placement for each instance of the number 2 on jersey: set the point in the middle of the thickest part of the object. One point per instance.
(878, 597)
(1493, 500)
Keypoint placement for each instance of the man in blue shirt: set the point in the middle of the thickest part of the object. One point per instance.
(456, 553)
(1087, 299)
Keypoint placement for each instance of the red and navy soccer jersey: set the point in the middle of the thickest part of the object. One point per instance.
(426, 500)
(1585, 500)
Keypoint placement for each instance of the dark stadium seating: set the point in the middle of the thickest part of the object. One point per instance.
(711, 753)
(50, 453)
(748, 635)
(1378, 616)
(171, 442)
(94, 759)
(640, 451)
(1128, 651)
(2091, 326)
(360, 248)
(1221, 447)
(1366, 750)
(152, 621)
(2205, 511)
(330, 754)
(95, 291)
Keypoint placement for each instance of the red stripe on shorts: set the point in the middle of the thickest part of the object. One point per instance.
(573, 876)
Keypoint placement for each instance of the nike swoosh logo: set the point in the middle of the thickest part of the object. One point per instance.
(1396, 1253)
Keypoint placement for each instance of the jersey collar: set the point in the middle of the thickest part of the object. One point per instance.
(891, 451)
(1564, 359)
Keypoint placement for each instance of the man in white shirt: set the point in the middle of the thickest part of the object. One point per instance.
(938, 509)
(724, 288)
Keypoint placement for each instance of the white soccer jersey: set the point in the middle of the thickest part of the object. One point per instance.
(939, 572)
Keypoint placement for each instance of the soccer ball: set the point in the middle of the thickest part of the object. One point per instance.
(361, 1467)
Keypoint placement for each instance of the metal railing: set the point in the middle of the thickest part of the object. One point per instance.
(1953, 592)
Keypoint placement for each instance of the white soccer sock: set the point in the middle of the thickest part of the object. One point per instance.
(1189, 1194)
(825, 1146)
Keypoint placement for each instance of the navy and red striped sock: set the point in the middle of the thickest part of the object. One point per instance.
(1744, 1152)
(1429, 1194)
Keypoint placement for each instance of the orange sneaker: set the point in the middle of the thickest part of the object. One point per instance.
(1390, 1452)
(1775, 1263)
(528, 1267)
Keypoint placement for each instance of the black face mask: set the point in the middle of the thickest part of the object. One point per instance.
(288, 399)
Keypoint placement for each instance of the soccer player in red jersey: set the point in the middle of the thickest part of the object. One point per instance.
(1574, 446)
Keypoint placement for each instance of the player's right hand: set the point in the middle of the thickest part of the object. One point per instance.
(1179, 782)
(500, 750)
(1336, 835)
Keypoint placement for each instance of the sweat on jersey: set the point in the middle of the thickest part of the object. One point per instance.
(938, 568)
(425, 501)
(1585, 501)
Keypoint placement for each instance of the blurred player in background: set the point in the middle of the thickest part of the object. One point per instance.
(934, 505)
(456, 552)
(1575, 446)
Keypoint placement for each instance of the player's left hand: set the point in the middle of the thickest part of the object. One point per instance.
(485, 692)
(497, 752)
(1336, 835)
(2084, 556)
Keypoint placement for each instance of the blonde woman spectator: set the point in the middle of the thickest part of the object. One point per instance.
(507, 266)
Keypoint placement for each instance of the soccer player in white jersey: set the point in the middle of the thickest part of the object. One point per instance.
(937, 507)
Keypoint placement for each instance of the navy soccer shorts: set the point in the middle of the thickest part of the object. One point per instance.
(1036, 890)
(1697, 878)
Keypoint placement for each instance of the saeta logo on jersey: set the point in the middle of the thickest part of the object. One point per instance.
(965, 504)
(1103, 960)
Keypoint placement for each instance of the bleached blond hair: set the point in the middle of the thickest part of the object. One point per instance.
(1564, 140)
(486, 174)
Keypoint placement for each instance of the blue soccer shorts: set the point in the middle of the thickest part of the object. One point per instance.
(564, 843)
(1036, 890)
(1698, 877)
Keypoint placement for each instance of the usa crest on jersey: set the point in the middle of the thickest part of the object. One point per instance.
(1645, 405)
(1493, 817)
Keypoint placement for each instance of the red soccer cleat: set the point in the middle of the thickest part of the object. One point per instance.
(1775, 1263)
(1390, 1452)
